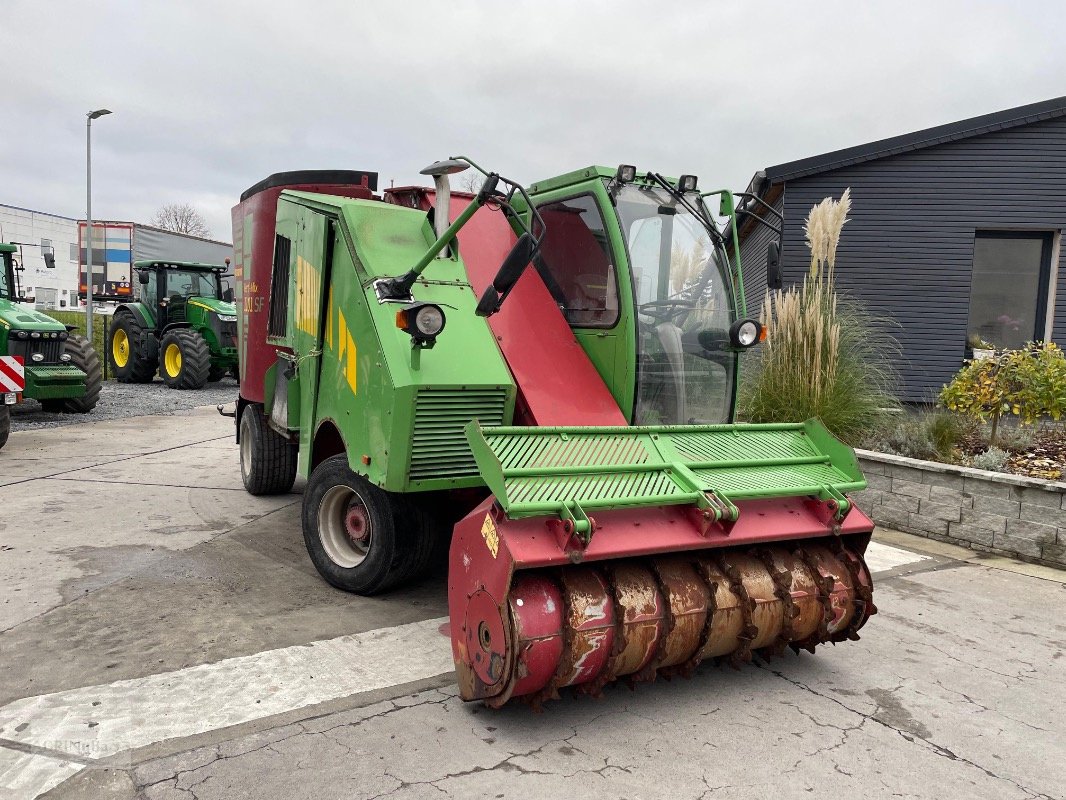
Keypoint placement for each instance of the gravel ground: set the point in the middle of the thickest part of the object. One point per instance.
(121, 400)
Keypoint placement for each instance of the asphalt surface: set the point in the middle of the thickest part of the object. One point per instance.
(124, 400)
(164, 635)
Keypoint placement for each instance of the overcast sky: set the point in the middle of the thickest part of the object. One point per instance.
(210, 97)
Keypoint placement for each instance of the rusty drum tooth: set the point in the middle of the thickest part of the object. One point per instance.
(589, 627)
(748, 631)
(640, 618)
(861, 587)
(782, 581)
(728, 620)
(841, 594)
(688, 599)
(700, 567)
(823, 587)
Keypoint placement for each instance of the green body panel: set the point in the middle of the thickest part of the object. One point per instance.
(563, 471)
(54, 382)
(43, 381)
(401, 408)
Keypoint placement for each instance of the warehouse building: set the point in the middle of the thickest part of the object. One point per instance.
(52, 255)
(955, 234)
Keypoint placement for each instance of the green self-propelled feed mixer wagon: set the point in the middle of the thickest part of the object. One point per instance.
(553, 372)
(58, 368)
(181, 326)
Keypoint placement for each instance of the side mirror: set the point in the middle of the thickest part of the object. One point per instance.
(510, 271)
(49, 259)
(228, 295)
(774, 277)
(143, 277)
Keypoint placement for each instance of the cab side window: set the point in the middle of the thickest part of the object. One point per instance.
(575, 262)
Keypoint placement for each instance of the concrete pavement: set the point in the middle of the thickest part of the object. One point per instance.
(163, 634)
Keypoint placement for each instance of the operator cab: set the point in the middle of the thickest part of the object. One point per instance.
(639, 269)
(168, 286)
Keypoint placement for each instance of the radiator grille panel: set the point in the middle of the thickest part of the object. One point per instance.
(439, 448)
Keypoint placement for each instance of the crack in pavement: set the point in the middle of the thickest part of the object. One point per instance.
(909, 736)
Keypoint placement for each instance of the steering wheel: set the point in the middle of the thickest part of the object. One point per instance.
(665, 310)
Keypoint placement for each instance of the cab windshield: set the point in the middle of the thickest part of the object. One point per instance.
(684, 309)
(5, 268)
(191, 283)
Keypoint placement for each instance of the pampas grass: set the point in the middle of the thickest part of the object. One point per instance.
(824, 356)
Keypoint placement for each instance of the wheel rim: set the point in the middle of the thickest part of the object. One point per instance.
(344, 527)
(120, 348)
(172, 360)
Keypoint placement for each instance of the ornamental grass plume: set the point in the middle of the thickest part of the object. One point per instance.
(823, 356)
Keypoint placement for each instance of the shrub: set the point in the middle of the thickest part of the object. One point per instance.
(930, 436)
(1029, 383)
(991, 459)
(823, 356)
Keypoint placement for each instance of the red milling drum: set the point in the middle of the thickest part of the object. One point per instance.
(585, 626)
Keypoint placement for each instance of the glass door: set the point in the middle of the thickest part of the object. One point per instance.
(1009, 289)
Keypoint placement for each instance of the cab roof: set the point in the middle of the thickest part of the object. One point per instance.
(8, 248)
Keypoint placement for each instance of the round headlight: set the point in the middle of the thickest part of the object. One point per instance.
(35, 334)
(63, 335)
(745, 333)
(65, 357)
(429, 320)
(22, 335)
(37, 357)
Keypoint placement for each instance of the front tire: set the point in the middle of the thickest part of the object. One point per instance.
(268, 459)
(359, 537)
(84, 357)
(126, 348)
(184, 359)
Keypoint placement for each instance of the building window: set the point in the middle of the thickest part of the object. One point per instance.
(75, 253)
(46, 244)
(1009, 288)
(574, 261)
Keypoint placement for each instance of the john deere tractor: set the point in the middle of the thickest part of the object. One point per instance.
(182, 326)
(60, 369)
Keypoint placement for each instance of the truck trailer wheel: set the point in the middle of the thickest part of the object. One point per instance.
(358, 536)
(5, 424)
(84, 357)
(184, 359)
(126, 350)
(268, 460)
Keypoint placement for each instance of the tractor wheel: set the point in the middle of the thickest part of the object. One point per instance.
(184, 359)
(126, 349)
(268, 459)
(5, 424)
(359, 537)
(84, 357)
(215, 374)
(429, 537)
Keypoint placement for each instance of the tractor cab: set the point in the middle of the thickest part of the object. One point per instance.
(169, 286)
(182, 325)
(639, 269)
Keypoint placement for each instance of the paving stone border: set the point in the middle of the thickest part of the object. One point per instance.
(986, 511)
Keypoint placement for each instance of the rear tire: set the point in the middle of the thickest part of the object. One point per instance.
(84, 357)
(128, 343)
(361, 538)
(268, 459)
(184, 359)
(5, 424)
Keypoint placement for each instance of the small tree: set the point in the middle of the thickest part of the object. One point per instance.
(181, 218)
(1029, 383)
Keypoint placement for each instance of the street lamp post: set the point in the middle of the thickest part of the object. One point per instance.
(89, 220)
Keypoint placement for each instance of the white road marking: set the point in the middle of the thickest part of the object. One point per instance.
(98, 721)
(883, 557)
(25, 775)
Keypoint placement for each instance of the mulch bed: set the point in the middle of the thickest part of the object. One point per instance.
(1045, 458)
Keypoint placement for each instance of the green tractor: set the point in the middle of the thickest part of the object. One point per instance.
(61, 369)
(184, 326)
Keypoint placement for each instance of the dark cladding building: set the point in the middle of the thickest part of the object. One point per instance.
(955, 234)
